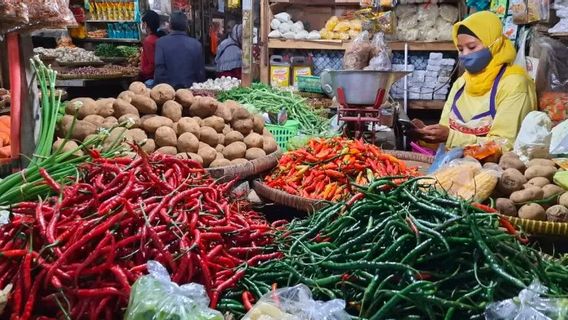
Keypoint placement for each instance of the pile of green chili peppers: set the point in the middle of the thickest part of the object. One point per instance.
(406, 253)
(270, 100)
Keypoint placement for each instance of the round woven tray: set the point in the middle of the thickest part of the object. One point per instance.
(90, 76)
(540, 227)
(244, 171)
(114, 59)
(81, 64)
(421, 161)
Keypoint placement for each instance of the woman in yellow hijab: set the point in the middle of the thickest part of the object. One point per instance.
(491, 99)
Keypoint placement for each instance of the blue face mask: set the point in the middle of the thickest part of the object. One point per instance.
(475, 62)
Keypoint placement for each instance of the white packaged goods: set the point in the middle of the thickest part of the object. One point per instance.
(449, 13)
(434, 62)
(414, 96)
(448, 62)
(397, 67)
(301, 35)
(433, 68)
(418, 78)
(443, 80)
(283, 17)
(440, 96)
(275, 34)
(430, 85)
(414, 89)
(426, 96)
(435, 56)
(430, 78)
(314, 35)
(426, 90)
(419, 73)
(298, 26)
(275, 23)
(430, 22)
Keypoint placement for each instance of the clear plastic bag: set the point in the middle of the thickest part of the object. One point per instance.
(533, 140)
(42, 14)
(296, 303)
(156, 297)
(358, 53)
(382, 56)
(519, 11)
(530, 304)
(427, 15)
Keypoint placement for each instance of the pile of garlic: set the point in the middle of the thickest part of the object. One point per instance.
(283, 27)
(219, 84)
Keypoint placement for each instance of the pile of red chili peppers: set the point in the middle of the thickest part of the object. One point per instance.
(76, 255)
(326, 168)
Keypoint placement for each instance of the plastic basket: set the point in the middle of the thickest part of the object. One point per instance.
(309, 84)
(283, 133)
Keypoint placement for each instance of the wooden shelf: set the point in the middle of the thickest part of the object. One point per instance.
(426, 104)
(108, 40)
(110, 21)
(340, 45)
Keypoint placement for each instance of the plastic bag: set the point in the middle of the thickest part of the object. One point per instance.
(296, 303)
(444, 157)
(298, 26)
(274, 34)
(155, 297)
(529, 305)
(35, 14)
(357, 54)
(275, 23)
(559, 139)
(283, 17)
(381, 60)
(427, 15)
(533, 140)
(519, 11)
(314, 35)
(449, 13)
(331, 23)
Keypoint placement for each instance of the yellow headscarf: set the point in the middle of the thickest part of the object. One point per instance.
(488, 28)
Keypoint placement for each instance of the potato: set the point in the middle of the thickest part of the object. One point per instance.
(187, 124)
(541, 162)
(232, 105)
(196, 157)
(172, 110)
(82, 129)
(266, 133)
(167, 150)
(243, 126)
(104, 107)
(185, 97)
(166, 136)
(540, 171)
(512, 163)
(66, 146)
(224, 112)
(203, 145)
(136, 135)
(64, 125)
(138, 88)
(269, 144)
(109, 122)
(219, 163)
(144, 104)
(95, 119)
(506, 206)
(221, 139)
(152, 124)
(187, 142)
(235, 150)
(122, 107)
(532, 211)
(511, 180)
(198, 120)
(537, 182)
(227, 129)
(132, 120)
(254, 140)
(557, 213)
(219, 148)
(162, 93)
(241, 113)
(116, 137)
(214, 122)
(147, 116)
(209, 136)
(563, 200)
(203, 107)
(528, 194)
(126, 95)
(149, 146)
(83, 107)
(550, 190)
(254, 153)
(233, 136)
(219, 155)
(258, 124)
(239, 161)
(208, 154)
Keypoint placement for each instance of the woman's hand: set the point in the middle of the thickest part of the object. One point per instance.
(433, 134)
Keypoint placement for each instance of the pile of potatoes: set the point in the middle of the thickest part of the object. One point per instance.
(522, 187)
(173, 122)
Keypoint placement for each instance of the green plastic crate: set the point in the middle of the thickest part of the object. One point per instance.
(283, 133)
(309, 84)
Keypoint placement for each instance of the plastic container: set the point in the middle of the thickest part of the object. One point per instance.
(300, 67)
(283, 133)
(279, 72)
(309, 84)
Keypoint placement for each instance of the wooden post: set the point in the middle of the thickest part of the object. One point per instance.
(29, 128)
(248, 24)
(263, 34)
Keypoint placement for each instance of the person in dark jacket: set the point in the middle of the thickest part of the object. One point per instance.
(179, 58)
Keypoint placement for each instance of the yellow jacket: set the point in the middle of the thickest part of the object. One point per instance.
(516, 97)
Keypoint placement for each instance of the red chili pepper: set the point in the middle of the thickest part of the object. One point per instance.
(247, 300)
(105, 291)
(49, 180)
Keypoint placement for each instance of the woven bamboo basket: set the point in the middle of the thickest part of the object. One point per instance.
(69, 76)
(540, 227)
(244, 171)
(421, 161)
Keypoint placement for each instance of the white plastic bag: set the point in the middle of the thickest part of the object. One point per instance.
(283, 16)
(274, 34)
(533, 140)
(314, 35)
(275, 23)
(296, 303)
(559, 139)
(298, 26)
(155, 296)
